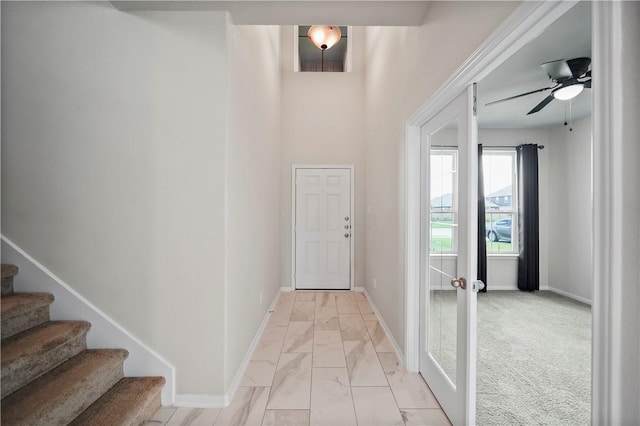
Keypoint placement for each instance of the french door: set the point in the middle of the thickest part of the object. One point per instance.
(449, 205)
(323, 227)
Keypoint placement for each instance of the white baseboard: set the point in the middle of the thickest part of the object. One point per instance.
(392, 339)
(104, 332)
(361, 289)
(219, 401)
(570, 295)
(237, 379)
(286, 289)
(199, 401)
(501, 288)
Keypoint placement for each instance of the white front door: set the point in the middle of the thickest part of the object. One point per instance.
(449, 206)
(323, 228)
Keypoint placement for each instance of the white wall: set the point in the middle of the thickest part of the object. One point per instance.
(570, 230)
(404, 67)
(253, 214)
(113, 162)
(323, 123)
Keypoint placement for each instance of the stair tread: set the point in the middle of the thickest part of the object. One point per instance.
(19, 303)
(40, 339)
(126, 403)
(8, 270)
(37, 402)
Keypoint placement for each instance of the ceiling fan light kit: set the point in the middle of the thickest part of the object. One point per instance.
(568, 92)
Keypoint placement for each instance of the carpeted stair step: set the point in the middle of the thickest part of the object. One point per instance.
(8, 272)
(60, 395)
(131, 402)
(28, 355)
(21, 311)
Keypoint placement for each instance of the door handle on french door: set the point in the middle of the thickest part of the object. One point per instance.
(346, 235)
(477, 285)
(460, 282)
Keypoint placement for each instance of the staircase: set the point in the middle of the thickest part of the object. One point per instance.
(49, 377)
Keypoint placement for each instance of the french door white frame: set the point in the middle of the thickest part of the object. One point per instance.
(616, 298)
(351, 169)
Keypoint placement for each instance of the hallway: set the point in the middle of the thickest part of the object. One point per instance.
(323, 359)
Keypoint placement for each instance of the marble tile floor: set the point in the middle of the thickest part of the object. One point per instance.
(323, 360)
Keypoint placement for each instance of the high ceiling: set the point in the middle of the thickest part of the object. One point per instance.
(568, 37)
(298, 12)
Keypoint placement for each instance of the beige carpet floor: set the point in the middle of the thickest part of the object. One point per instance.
(534, 359)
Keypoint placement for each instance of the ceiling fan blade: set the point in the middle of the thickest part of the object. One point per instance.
(579, 66)
(587, 84)
(541, 105)
(519, 96)
(557, 70)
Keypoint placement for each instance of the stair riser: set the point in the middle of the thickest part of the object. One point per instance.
(7, 286)
(94, 385)
(20, 323)
(131, 402)
(20, 373)
(138, 418)
(76, 404)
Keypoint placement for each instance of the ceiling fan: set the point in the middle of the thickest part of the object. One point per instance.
(570, 78)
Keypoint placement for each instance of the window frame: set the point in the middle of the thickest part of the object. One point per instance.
(513, 212)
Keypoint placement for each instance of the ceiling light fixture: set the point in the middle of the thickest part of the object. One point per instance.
(324, 37)
(565, 93)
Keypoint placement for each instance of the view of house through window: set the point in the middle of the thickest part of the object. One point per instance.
(499, 167)
(444, 200)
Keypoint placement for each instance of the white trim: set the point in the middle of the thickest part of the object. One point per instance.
(359, 289)
(390, 337)
(352, 191)
(105, 332)
(235, 383)
(286, 289)
(296, 48)
(569, 295)
(616, 247)
(502, 287)
(199, 401)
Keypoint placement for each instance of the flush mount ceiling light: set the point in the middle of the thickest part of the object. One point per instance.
(324, 36)
(568, 92)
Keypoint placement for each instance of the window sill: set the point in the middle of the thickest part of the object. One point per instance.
(502, 256)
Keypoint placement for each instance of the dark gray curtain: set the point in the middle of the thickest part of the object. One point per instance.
(528, 218)
(482, 232)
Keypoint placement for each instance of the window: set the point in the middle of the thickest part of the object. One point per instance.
(444, 201)
(500, 186)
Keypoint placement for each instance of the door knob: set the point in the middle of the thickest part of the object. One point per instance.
(460, 282)
(346, 219)
(346, 235)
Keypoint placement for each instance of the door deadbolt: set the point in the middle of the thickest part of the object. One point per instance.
(346, 219)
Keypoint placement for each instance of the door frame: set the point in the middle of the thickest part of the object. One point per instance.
(613, 395)
(351, 169)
